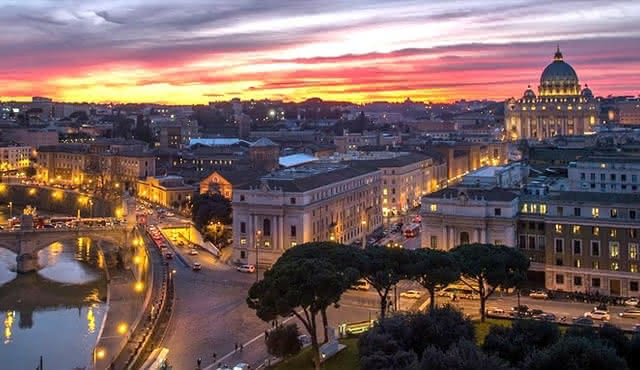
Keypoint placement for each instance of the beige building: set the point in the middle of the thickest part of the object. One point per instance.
(318, 202)
(14, 156)
(223, 182)
(167, 191)
(605, 174)
(562, 107)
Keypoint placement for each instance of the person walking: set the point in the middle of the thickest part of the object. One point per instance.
(199, 363)
(236, 350)
(241, 347)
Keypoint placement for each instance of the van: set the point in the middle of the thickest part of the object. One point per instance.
(360, 285)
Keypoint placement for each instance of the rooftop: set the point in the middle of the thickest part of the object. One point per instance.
(490, 195)
(296, 159)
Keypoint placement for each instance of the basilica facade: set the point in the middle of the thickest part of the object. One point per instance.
(562, 106)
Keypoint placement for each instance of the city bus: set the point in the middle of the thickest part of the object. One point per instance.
(412, 230)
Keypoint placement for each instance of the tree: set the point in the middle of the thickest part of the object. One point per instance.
(383, 268)
(392, 342)
(515, 343)
(210, 208)
(575, 353)
(485, 267)
(633, 360)
(343, 257)
(434, 270)
(464, 355)
(30, 171)
(283, 341)
(302, 288)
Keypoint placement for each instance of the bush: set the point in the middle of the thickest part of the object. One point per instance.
(464, 355)
(515, 343)
(633, 360)
(398, 342)
(575, 353)
(283, 341)
(614, 337)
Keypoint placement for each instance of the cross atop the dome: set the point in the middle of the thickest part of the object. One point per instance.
(558, 56)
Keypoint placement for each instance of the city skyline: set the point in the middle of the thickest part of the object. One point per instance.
(193, 52)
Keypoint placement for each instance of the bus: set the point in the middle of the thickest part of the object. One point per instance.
(412, 230)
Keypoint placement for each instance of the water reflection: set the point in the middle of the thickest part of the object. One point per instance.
(59, 310)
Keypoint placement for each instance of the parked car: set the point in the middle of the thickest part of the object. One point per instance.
(196, 266)
(540, 294)
(635, 328)
(246, 268)
(598, 315)
(545, 316)
(193, 252)
(412, 294)
(583, 321)
(169, 255)
(361, 285)
(631, 313)
(241, 366)
(632, 301)
(495, 311)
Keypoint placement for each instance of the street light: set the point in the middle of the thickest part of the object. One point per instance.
(258, 232)
(122, 328)
(10, 209)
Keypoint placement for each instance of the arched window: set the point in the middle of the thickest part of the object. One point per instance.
(464, 237)
(266, 227)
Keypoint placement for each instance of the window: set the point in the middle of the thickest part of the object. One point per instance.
(293, 244)
(558, 228)
(614, 249)
(293, 230)
(543, 209)
(267, 244)
(633, 267)
(576, 211)
(293, 200)
(633, 233)
(595, 212)
(582, 176)
(532, 241)
(623, 178)
(613, 233)
(560, 210)
(577, 280)
(559, 243)
(464, 237)
(595, 282)
(634, 178)
(615, 266)
(243, 227)
(603, 177)
(576, 229)
(595, 230)
(633, 251)
(614, 213)
(242, 198)
(433, 207)
(560, 279)
(632, 214)
(243, 241)
(541, 242)
(523, 241)
(595, 248)
(498, 242)
(595, 265)
(266, 227)
(434, 242)
(497, 211)
(577, 246)
(633, 286)
(243, 254)
(592, 176)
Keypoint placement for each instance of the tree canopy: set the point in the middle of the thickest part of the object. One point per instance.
(383, 268)
(434, 270)
(211, 208)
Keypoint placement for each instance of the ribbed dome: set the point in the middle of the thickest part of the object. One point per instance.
(559, 78)
(528, 93)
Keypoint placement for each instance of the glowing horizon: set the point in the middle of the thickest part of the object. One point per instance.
(196, 51)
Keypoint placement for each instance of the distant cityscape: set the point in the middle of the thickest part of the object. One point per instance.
(236, 184)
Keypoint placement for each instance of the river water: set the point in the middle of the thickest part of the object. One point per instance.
(55, 313)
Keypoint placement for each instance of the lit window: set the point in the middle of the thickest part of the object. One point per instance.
(615, 266)
(384, 191)
(243, 241)
(633, 267)
(613, 233)
(614, 249)
(293, 244)
(267, 244)
(533, 208)
(558, 228)
(603, 165)
(525, 208)
(595, 212)
(595, 230)
(633, 251)
(576, 229)
(543, 209)
(433, 207)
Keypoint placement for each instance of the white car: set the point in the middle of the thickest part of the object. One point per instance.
(632, 302)
(241, 366)
(246, 268)
(193, 252)
(598, 315)
(170, 214)
(196, 266)
(539, 295)
(412, 294)
(496, 311)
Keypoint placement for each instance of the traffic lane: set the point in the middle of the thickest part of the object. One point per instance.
(211, 315)
(560, 308)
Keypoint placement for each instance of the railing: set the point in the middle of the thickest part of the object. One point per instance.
(65, 229)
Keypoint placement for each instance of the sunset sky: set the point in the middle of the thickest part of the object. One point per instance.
(195, 51)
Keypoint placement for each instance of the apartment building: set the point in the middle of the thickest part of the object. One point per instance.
(167, 191)
(577, 241)
(14, 156)
(605, 174)
(316, 202)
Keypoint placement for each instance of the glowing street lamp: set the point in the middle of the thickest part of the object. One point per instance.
(122, 328)
(139, 286)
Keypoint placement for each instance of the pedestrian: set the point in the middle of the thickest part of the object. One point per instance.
(199, 362)
(236, 347)
(241, 347)
(266, 335)
(214, 357)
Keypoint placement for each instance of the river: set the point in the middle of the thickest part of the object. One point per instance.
(55, 313)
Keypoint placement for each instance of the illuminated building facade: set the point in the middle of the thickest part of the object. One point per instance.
(561, 107)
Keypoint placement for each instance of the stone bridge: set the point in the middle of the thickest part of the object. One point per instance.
(27, 242)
